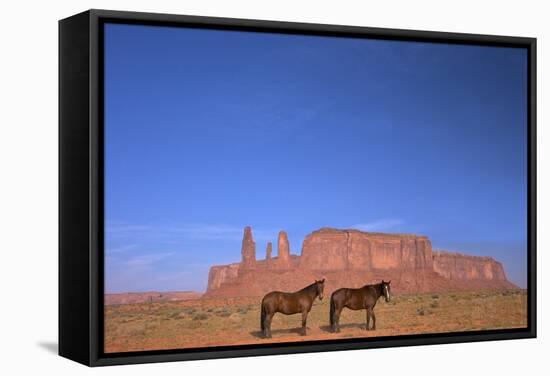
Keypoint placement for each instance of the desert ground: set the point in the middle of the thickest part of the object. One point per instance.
(232, 321)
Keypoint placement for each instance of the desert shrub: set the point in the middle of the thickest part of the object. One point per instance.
(193, 324)
(137, 331)
(235, 318)
(224, 312)
(200, 316)
(210, 310)
(434, 304)
(189, 310)
(435, 296)
(420, 311)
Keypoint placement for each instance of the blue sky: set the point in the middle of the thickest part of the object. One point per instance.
(208, 131)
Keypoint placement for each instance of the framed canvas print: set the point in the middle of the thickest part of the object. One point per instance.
(238, 187)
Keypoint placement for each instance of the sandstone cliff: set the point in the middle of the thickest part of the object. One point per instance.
(457, 266)
(248, 250)
(352, 258)
(330, 249)
(283, 252)
(268, 250)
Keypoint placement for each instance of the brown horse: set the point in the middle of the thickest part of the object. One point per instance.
(361, 298)
(289, 303)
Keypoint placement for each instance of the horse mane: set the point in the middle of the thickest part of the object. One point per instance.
(373, 285)
(309, 287)
(377, 287)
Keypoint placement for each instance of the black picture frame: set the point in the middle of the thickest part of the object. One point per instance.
(81, 195)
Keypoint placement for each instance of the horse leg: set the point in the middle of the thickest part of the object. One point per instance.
(304, 323)
(265, 323)
(268, 319)
(368, 320)
(373, 319)
(337, 320)
(264, 313)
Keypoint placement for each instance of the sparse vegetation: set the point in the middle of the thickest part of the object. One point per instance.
(224, 312)
(242, 310)
(200, 316)
(215, 322)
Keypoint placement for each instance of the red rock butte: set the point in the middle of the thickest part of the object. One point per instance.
(353, 258)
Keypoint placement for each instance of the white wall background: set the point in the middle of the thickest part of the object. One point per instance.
(28, 185)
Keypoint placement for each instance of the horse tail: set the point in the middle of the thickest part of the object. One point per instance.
(332, 309)
(262, 317)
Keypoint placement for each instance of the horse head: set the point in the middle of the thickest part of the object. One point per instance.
(320, 284)
(386, 290)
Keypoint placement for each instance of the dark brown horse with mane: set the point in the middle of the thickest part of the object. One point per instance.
(289, 303)
(361, 298)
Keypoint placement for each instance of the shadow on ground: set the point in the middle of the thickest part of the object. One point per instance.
(324, 328)
(328, 329)
(50, 347)
(258, 333)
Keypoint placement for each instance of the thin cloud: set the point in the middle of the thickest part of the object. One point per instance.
(379, 225)
(147, 259)
(121, 249)
(118, 228)
(205, 232)
(185, 231)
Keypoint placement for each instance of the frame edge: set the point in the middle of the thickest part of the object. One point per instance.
(74, 250)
